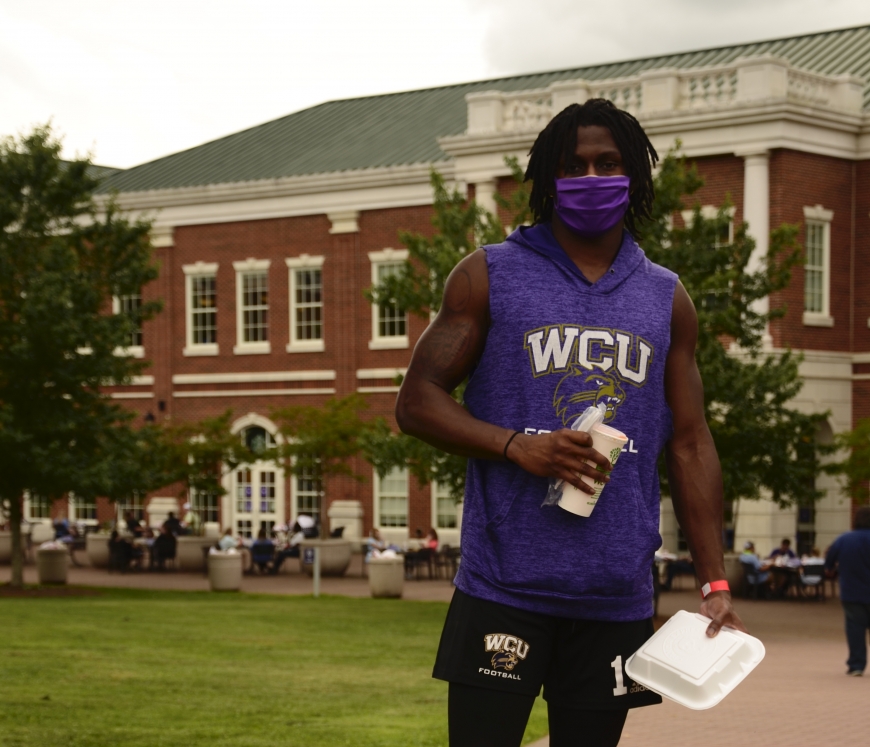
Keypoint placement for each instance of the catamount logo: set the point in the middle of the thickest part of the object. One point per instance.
(509, 650)
(595, 365)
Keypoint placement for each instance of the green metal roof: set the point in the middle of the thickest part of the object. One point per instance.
(402, 128)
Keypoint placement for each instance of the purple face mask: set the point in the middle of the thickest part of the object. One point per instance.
(591, 205)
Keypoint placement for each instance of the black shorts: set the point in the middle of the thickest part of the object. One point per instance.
(580, 663)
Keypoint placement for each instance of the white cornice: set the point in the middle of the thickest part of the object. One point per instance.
(380, 373)
(252, 392)
(253, 377)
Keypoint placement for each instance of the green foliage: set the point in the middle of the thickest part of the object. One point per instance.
(763, 444)
(855, 468)
(461, 226)
(318, 442)
(62, 258)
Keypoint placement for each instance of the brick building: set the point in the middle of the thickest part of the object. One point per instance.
(266, 239)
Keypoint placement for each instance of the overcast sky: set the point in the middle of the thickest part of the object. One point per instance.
(131, 80)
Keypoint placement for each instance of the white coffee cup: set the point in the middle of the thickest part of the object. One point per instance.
(607, 441)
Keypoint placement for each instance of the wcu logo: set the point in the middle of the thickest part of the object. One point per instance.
(509, 650)
(597, 364)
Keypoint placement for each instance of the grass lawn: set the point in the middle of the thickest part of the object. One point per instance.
(142, 668)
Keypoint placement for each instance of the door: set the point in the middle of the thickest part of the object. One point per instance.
(258, 499)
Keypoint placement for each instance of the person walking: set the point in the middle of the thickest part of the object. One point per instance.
(565, 314)
(850, 557)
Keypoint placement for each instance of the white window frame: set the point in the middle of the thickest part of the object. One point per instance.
(28, 511)
(75, 504)
(200, 269)
(711, 212)
(821, 217)
(294, 264)
(241, 347)
(132, 351)
(378, 342)
(376, 502)
(434, 492)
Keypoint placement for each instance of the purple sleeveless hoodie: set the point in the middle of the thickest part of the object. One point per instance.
(556, 345)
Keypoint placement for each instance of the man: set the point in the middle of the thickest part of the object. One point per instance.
(565, 314)
(850, 555)
(758, 570)
(191, 522)
(784, 550)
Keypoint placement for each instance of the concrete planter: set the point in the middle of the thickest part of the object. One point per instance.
(387, 576)
(225, 571)
(6, 546)
(334, 556)
(188, 553)
(52, 564)
(97, 549)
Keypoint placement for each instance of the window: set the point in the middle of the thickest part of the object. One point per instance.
(444, 507)
(817, 267)
(392, 498)
(206, 505)
(37, 507)
(134, 502)
(83, 509)
(252, 303)
(130, 305)
(306, 304)
(201, 295)
(389, 322)
(308, 492)
(724, 232)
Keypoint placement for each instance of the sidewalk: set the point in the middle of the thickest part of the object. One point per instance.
(799, 695)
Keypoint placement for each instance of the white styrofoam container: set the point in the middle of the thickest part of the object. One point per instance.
(681, 663)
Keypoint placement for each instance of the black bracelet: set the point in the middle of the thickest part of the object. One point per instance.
(504, 453)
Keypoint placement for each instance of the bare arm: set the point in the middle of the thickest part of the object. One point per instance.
(694, 473)
(443, 357)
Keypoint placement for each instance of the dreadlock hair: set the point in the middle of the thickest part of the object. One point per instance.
(558, 140)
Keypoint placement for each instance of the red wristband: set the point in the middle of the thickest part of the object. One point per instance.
(712, 586)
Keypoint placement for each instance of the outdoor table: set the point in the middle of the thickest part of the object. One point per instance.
(788, 578)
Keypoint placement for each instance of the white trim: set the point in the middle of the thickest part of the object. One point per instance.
(389, 343)
(811, 319)
(861, 358)
(388, 255)
(251, 392)
(380, 373)
(253, 377)
(141, 381)
(294, 264)
(376, 501)
(252, 418)
(711, 212)
(134, 351)
(304, 261)
(344, 221)
(200, 268)
(132, 395)
(376, 389)
(251, 265)
(209, 348)
(818, 213)
(242, 268)
(252, 348)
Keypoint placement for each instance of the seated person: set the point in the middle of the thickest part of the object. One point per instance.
(374, 542)
(122, 552)
(783, 551)
(62, 529)
(757, 569)
(228, 542)
(431, 541)
(813, 558)
(291, 550)
(163, 548)
(134, 526)
(173, 525)
(262, 551)
(191, 523)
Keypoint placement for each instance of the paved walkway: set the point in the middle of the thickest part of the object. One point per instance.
(798, 696)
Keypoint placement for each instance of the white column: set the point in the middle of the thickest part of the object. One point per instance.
(756, 212)
(484, 195)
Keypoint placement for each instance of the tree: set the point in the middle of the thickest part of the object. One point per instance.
(461, 225)
(318, 442)
(767, 448)
(62, 259)
(855, 468)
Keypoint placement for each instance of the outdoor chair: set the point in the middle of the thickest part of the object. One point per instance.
(447, 562)
(751, 584)
(416, 560)
(120, 557)
(262, 556)
(813, 577)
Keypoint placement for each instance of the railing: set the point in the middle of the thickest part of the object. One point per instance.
(744, 82)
